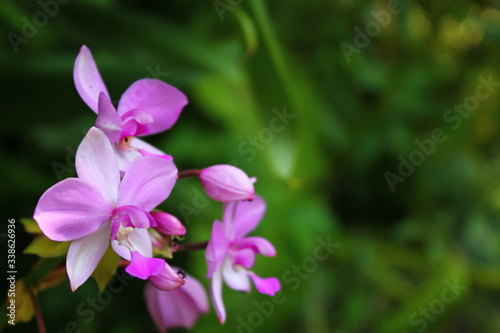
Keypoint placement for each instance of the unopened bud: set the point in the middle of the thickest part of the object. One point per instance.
(227, 183)
(168, 279)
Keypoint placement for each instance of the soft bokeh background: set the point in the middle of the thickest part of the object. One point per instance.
(322, 175)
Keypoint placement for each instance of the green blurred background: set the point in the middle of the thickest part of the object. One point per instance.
(323, 174)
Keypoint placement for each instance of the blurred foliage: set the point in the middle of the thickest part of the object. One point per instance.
(322, 174)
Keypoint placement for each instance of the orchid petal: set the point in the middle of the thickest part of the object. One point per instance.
(228, 211)
(124, 157)
(236, 277)
(140, 241)
(147, 153)
(195, 290)
(268, 286)
(138, 218)
(96, 164)
(244, 257)
(141, 145)
(168, 224)
(167, 280)
(158, 99)
(153, 298)
(179, 307)
(216, 248)
(85, 253)
(182, 305)
(136, 122)
(216, 295)
(257, 244)
(71, 209)
(143, 267)
(247, 216)
(107, 118)
(147, 182)
(87, 79)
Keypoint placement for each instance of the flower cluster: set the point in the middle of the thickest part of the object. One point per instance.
(112, 203)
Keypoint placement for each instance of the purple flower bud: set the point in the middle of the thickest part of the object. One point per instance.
(168, 224)
(227, 183)
(168, 279)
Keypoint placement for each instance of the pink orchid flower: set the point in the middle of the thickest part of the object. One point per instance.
(148, 106)
(180, 307)
(230, 255)
(97, 206)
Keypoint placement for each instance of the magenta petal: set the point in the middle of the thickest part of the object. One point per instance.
(216, 295)
(245, 258)
(84, 254)
(216, 249)
(168, 224)
(167, 280)
(226, 183)
(136, 122)
(247, 216)
(87, 79)
(96, 164)
(257, 244)
(142, 267)
(269, 286)
(137, 217)
(107, 119)
(147, 182)
(160, 100)
(71, 209)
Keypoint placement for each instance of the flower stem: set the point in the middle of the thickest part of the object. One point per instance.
(38, 312)
(192, 246)
(188, 173)
(123, 263)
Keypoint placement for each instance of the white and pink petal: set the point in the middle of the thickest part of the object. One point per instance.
(85, 253)
(87, 78)
(236, 277)
(217, 248)
(96, 164)
(147, 182)
(216, 295)
(107, 119)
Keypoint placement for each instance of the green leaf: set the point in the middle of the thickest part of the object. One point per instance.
(46, 248)
(248, 30)
(31, 226)
(106, 268)
(23, 303)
